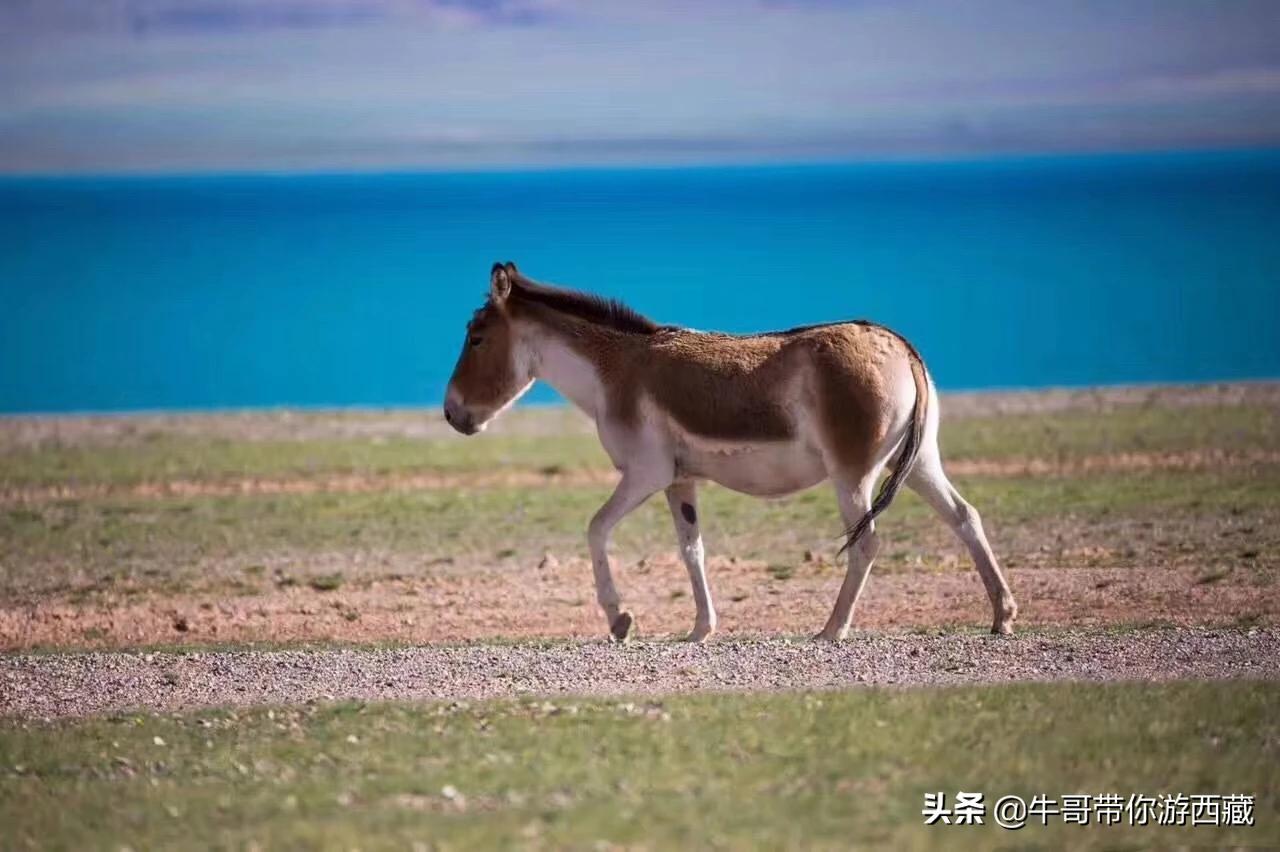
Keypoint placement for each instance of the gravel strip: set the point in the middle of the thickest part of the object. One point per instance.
(62, 685)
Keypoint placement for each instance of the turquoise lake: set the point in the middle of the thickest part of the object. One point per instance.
(353, 290)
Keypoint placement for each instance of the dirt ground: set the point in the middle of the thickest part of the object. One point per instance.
(555, 599)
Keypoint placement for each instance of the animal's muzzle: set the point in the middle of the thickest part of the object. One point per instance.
(459, 418)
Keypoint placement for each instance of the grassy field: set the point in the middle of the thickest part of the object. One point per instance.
(117, 541)
(154, 531)
(125, 515)
(83, 545)
(157, 455)
(113, 523)
(790, 770)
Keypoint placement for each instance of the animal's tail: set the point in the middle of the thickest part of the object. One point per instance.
(906, 458)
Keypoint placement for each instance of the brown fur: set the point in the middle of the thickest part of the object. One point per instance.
(723, 386)
(487, 376)
(850, 362)
(714, 385)
(717, 386)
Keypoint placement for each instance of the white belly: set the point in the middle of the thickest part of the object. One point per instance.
(765, 469)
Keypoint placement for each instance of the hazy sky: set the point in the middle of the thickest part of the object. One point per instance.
(140, 85)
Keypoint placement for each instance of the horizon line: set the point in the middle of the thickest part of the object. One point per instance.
(879, 159)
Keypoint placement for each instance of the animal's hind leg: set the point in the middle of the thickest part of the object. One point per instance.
(855, 501)
(929, 481)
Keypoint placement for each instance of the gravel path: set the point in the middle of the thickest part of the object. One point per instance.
(59, 685)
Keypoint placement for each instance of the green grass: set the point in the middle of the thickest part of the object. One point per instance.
(47, 543)
(212, 459)
(125, 544)
(1060, 436)
(1074, 434)
(787, 770)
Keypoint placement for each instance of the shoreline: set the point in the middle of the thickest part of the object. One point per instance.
(300, 423)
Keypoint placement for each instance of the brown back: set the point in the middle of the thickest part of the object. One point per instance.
(717, 386)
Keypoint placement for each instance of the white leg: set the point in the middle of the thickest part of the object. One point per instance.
(630, 493)
(929, 481)
(682, 498)
(855, 502)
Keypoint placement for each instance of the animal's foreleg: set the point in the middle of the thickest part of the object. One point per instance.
(629, 494)
(682, 498)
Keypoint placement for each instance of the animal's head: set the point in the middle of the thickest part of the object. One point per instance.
(493, 369)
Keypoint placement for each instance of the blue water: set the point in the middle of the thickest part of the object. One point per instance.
(216, 292)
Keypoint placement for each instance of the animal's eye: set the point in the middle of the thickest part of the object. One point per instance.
(476, 340)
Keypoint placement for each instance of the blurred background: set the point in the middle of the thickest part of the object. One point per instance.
(259, 203)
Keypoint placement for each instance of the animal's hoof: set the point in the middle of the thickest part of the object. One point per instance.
(700, 635)
(1006, 613)
(829, 636)
(622, 627)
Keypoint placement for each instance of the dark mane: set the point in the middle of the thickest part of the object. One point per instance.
(595, 309)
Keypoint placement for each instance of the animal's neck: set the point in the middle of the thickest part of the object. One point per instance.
(565, 367)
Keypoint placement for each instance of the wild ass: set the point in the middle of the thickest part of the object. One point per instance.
(764, 414)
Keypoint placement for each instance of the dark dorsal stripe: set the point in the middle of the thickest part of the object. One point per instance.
(613, 314)
(609, 313)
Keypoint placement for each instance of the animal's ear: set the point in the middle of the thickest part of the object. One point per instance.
(500, 282)
(512, 272)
